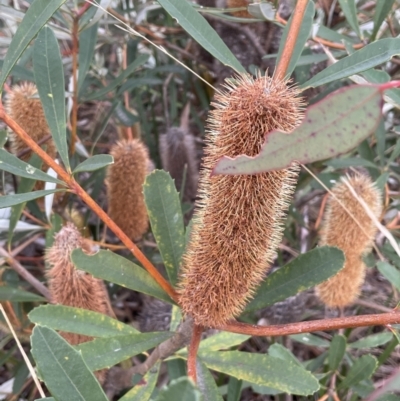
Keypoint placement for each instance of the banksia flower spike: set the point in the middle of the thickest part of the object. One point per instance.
(71, 287)
(341, 230)
(24, 106)
(237, 224)
(177, 150)
(125, 180)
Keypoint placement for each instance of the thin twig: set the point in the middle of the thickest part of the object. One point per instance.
(33, 281)
(79, 191)
(281, 68)
(193, 348)
(40, 142)
(315, 325)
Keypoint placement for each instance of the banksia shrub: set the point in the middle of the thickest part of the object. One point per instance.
(238, 222)
(339, 229)
(71, 287)
(24, 106)
(177, 149)
(125, 180)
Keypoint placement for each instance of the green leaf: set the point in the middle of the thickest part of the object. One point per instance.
(303, 272)
(38, 13)
(279, 351)
(382, 9)
(118, 81)
(361, 60)
(362, 369)
(94, 163)
(350, 12)
(206, 383)
(80, 321)
(11, 200)
(87, 43)
(123, 272)
(330, 127)
(375, 340)
(165, 214)
(49, 76)
(13, 165)
(263, 370)
(63, 369)
(46, 399)
(390, 273)
(350, 162)
(16, 295)
(304, 34)
(310, 339)
(181, 389)
(201, 31)
(336, 351)
(144, 389)
(108, 351)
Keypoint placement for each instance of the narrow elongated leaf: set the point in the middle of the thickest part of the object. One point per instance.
(118, 81)
(106, 352)
(330, 127)
(279, 351)
(336, 351)
(11, 200)
(390, 273)
(201, 31)
(87, 43)
(206, 383)
(94, 163)
(375, 340)
(304, 34)
(13, 165)
(80, 321)
(144, 389)
(361, 60)
(382, 9)
(38, 13)
(310, 339)
(16, 295)
(305, 271)
(165, 214)
(362, 369)
(350, 162)
(350, 12)
(63, 369)
(49, 76)
(264, 370)
(182, 389)
(116, 269)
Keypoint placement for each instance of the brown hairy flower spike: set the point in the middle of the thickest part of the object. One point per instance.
(238, 4)
(340, 230)
(125, 180)
(177, 149)
(237, 224)
(24, 106)
(71, 287)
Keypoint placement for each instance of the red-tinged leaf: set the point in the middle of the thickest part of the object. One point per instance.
(333, 126)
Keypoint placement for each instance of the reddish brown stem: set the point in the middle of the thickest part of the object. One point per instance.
(74, 112)
(316, 325)
(193, 348)
(82, 10)
(280, 71)
(78, 190)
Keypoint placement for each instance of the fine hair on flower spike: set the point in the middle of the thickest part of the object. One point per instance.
(238, 221)
(353, 233)
(125, 178)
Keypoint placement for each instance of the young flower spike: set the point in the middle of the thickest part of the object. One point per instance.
(238, 222)
(354, 236)
(125, 180)
(71, 287)
(177, 150)
(24, 106)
